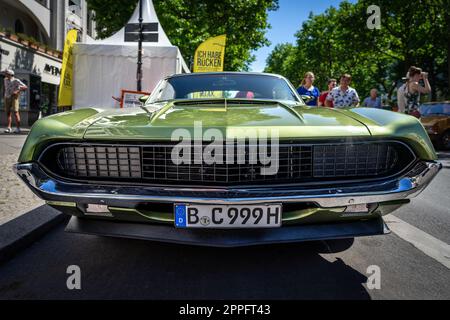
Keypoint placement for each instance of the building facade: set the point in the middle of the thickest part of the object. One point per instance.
(32, 34)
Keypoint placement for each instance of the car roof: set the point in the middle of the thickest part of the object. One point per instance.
(436, 102)
(225, 73)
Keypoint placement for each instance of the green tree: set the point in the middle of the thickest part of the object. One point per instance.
(188, 23)
(338, 41)
(412, 33)
(277, 61)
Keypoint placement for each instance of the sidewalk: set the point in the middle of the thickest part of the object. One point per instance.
(24, 131)
(15, 198)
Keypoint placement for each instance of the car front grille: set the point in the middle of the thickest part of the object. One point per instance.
(353, 160)
(102, 162)
(297, 163)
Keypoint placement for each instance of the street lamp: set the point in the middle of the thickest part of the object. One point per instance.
(139, 62)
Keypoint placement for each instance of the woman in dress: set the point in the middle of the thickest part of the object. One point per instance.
(414, 89)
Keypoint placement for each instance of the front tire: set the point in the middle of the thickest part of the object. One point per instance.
(445, 140)
(336, 245)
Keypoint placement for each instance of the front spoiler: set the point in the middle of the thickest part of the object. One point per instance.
(228, 238)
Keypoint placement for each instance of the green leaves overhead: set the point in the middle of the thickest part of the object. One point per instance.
(188, 23)
(339, 41)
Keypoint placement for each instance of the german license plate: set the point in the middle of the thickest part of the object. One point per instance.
(227, 216)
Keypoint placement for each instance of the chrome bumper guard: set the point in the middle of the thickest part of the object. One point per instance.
(51, 189)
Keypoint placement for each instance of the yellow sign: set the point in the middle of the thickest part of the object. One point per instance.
(207, 94)
(65, 85)
(209, 56)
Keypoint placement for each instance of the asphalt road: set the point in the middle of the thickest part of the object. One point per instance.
(133, 269)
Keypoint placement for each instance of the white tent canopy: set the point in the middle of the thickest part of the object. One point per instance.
(102, 68)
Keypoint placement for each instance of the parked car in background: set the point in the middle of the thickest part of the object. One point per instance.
(435, 117)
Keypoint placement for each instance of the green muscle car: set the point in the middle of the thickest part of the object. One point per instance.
(227, 159)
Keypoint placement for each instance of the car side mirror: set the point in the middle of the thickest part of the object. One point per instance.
(306, 98)
(143, 99)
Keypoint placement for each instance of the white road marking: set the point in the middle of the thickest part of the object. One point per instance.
(432, 247)
(444, 158)
(445, 163)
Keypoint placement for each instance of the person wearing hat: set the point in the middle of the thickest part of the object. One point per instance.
(12, 90)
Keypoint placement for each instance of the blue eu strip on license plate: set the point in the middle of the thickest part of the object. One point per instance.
(180, 216)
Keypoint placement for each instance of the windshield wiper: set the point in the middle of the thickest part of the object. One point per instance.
(146, 110)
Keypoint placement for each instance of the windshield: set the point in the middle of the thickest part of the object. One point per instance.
(228, 86)
(435, 109)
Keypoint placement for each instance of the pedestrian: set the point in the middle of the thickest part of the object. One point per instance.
(401, 96)
(12, 86)
(373, 101)
(323, 96)
(343, 96)
(413, 90)
(308, 89)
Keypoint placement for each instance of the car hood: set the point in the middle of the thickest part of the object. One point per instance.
(432, 120)
(232, 118)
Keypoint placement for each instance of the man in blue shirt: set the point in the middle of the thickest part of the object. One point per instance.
(373, 101)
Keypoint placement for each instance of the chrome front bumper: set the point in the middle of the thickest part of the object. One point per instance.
(52, 189)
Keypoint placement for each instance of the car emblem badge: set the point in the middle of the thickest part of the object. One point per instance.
(204, 221)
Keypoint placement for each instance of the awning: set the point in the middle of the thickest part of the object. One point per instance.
(48, 68)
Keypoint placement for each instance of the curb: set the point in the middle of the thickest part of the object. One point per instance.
(24, 132)
(24, 230)
(12, 134)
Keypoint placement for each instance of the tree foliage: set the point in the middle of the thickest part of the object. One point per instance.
(276, 62)
(188, 23)
(339, 41)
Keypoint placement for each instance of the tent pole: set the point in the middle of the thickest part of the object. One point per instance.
(139, 62)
